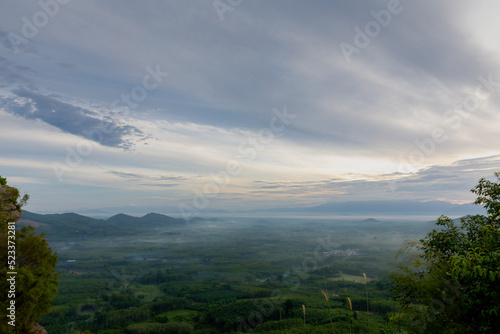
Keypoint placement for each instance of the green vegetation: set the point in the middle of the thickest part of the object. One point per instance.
(226, 276)
(28, 268)
(451, 284)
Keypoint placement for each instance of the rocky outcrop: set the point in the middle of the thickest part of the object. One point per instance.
(37, 329)
(9, 210)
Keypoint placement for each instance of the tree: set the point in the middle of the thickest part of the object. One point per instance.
(448, 282)
(27, 293)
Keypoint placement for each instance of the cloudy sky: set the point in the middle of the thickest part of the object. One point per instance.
(247, 104)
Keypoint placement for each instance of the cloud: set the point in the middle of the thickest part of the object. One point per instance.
(66, 65)
(448, 182)
(149, 179)
(73, 119)
(16, 43)
(125, 175)
(166, 185)
(226, 77)
(10, 76)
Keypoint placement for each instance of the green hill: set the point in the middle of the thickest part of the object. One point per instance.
(72, 224)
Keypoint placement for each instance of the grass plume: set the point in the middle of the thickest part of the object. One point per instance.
(366, 289)
(329, 314)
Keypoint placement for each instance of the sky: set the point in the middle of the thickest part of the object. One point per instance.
(191, 106)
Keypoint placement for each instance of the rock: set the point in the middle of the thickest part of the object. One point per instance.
(37, 329)
(8, 208)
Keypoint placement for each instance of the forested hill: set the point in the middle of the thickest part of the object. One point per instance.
(71, 224)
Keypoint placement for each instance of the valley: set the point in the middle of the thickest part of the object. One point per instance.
(125, 275)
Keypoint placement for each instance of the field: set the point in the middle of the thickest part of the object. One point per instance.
(217, 276)
(351, 278)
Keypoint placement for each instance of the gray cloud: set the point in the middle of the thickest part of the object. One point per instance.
(66, 65)
(125, 175)
(150, 181)
(446, 182)
(10, 76)
(172, 178)
(166, 185)
(19, 46)
(265, 54)
(73, 119)
(271, 54)
(155, 180)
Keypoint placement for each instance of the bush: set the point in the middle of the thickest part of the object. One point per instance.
(156, 328)
(279, 325)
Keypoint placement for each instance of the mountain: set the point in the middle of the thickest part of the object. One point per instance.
(156, 219)
(67, 224)
(371, 220)
(349, 208)
(466, 209)
(71, 224)
(386, 207)
(59, 218)
(123, 219)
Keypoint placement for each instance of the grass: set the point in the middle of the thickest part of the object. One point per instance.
(349, 304)
(150, 292)
(366, 289)
(327, 302)
(182, 316)
(352, 278)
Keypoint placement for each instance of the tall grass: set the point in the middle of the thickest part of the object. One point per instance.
(366, 289)
(327, 302)
(349, 305)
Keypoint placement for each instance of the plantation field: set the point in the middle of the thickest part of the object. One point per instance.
(229, 276)
(351, 278)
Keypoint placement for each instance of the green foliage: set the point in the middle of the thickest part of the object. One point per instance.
(157, 328)
(120, 299)
(36, 280)
(451, 283)
(489, 194)
(3, 181)
(279, 325)
(218, 296)
(159, 277)
(168, 304)
(162, 318)
(120, 318)
(244, 314)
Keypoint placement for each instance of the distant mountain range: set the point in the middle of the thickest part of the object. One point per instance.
(352, 208)
(67, 224)
(385, 207)
(71, 223)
